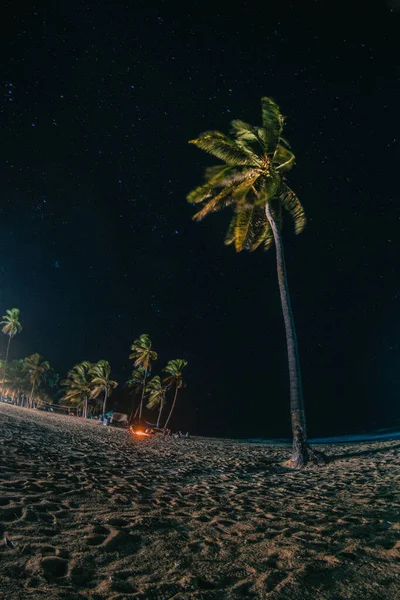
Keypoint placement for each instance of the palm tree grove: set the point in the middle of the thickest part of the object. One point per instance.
(87, 388)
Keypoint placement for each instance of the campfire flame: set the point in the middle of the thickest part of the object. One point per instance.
(138, 432)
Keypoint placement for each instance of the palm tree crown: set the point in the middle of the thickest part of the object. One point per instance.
(251, 176)
(136, 381)
(143, 356)
(10, 322)
(142, 353)
(174, 377)
(155, 392)
(35, 369)
(101, 373)
(36, 372)
(101, 382)
(78, 385)
(174, 372)
(156, 396)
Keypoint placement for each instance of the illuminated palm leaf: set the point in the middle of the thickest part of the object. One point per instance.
(224, 148)
(293, 206)
(283, 158)
(227, 196)
(272, 123)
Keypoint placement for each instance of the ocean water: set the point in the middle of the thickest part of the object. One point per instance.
(340, 439)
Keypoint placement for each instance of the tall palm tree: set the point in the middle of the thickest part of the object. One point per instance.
(252, 180)
(78, 386)
(143, 356)
(135, 383)
(155, 392)
(174, 378)
(101, 382)
(11, 326)
(36, 372)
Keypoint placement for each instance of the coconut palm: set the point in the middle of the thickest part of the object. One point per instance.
(143, 356)
(136, 385)
(155, 392)
(16, 382)
(11, 326)
(78, 386)
(101, 382)
(36, 373)
(251, 180)
(174, 378)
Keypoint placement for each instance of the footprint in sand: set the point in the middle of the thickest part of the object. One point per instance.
(10, 513)
(10, 500)
(54, 567)
(110, 539)
(274, 579)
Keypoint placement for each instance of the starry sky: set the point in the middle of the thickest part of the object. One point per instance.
(97, 244)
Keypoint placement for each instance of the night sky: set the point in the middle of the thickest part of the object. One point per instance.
(97, 244)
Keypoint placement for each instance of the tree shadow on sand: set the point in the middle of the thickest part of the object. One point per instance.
(335, 457)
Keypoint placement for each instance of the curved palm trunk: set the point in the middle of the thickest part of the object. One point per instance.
(105, 402)
(85, 408)
(172, 408)
(30, 401)
(300, 449)
(133, 415)
(159, 413)
(5, 365)
(141, 400)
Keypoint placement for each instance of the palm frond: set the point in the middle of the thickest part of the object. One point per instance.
(155, 392)
(283, 158)
(251, 228)
(216, 178)
(224, 148)
(229, 194)
(272, 123)
(293, 206)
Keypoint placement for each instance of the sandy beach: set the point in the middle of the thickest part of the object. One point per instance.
(92, 513)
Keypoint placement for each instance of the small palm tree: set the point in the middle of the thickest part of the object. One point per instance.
(78, 386)
(36, 373)
(174, 378)
(11, 326)
(155, 392)
(252, 180)
(136, 385)
(143, 355)
(101, 382)
(16, 382)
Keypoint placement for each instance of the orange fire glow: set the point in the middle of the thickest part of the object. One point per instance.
(140, 433)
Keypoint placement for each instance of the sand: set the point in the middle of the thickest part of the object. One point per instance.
(93, 513)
